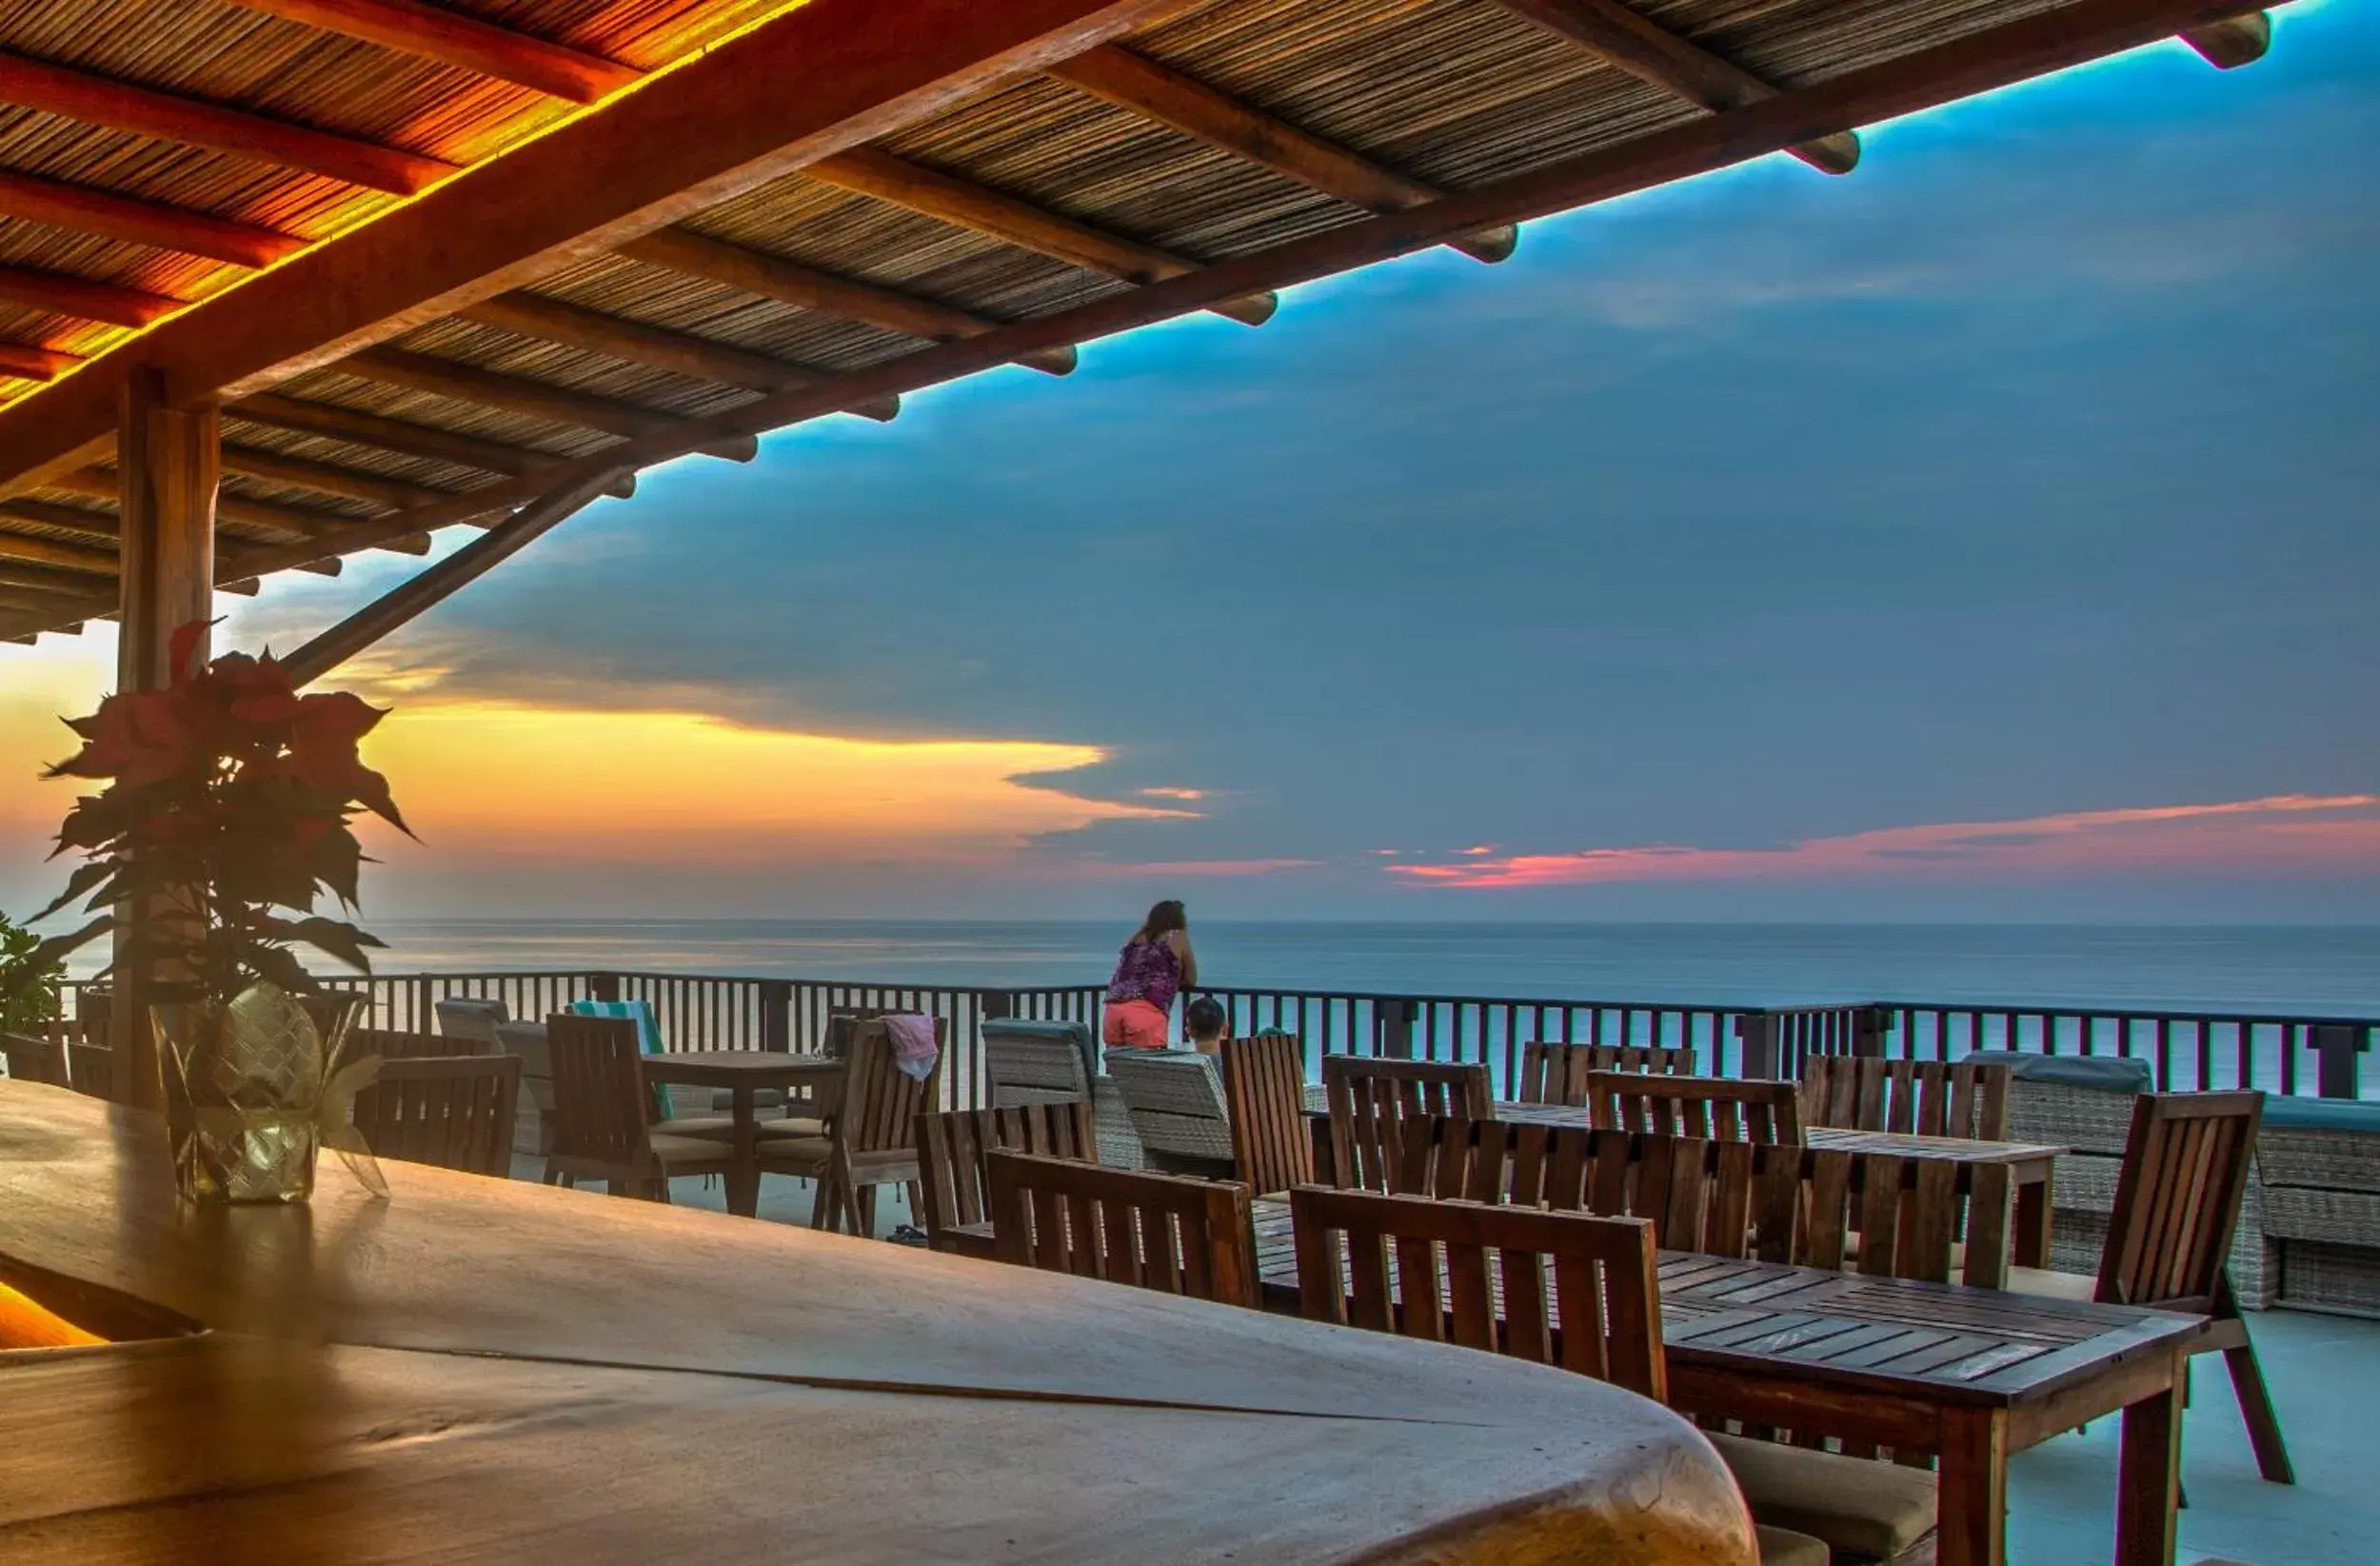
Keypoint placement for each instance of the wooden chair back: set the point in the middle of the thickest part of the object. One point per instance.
(1566, 1289)
(880, 1103)
(1162, 1232)
(455, 1111)
(2178, 1201)
(1557, 1072)
(953, 1144)
(1264, 1088)
(1773, 1202)
(395, 1044)
(1928, 1098)
(1719, 1108)
(1370, 1099)
(603, 1108)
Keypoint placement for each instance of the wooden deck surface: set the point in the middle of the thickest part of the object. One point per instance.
(481, 1370)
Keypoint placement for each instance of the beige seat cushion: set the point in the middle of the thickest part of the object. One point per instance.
(794, 1154)
(1783, 1547)
(2052, 1285)
(1856, 1505)
(715, 1127)
(677, 1150)
(792, 1125)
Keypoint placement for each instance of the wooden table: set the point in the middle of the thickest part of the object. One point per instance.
(744, 1072)
(2030, 1166)
(482, 1370)
(1974, 1374)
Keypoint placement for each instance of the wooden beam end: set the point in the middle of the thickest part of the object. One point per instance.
(1252, 310)
(1057, 360)
(1489, 244)
(2228, 46)
(1831, 154)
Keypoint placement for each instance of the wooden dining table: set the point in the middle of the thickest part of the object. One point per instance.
(478, 1371)
(744, 1073)
(1972, 1375)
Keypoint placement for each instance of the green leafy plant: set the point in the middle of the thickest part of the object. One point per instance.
(29, 982)
(226, 815)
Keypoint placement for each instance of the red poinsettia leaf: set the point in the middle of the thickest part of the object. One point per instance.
(333, 718)
(182, 651)
(266, 706)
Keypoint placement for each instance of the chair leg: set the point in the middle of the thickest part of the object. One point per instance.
(864, 1214)
(2256, 1408)
(822, 1206)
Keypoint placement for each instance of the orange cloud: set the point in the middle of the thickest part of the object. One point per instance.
(2282, 832)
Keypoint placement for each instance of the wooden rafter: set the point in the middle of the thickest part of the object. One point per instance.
(1162, 93)
(357, 427)
(1978, 62)
(2234, 42)
(42, 551)
(528, 314)
(120, 106)
(80, 298)
(74, 518)
(1652, 54)
(458, 40)
(866, 170)
(805, 288)
(28, 363)
(237, 509)
(518, 394)
(89, 211)
(809, 82)
(326, 478)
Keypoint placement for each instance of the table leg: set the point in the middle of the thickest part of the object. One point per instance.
(1972, 1500)
(2149, 1474)
(744, 1180)
(2032, 1221)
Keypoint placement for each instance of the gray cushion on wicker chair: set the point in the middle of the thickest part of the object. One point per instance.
(2110, 1073)
(1857, 1505)
(1029, 1060)
(464, 1016)
(1174, 1097)
(2293, 1114)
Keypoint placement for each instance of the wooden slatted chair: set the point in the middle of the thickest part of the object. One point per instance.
(1928, 1098)
(1370, 1099)
(33, 1058)
(2178, 1201)
(1566, 1289)
(1557, 1072)
(456, 1112)
(956, 1210)
(871, 1132)
(1164, 1232)
(1264, 1084)
(1722, 1108)
(603, 1113)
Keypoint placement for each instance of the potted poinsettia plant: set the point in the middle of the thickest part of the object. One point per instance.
(225, 821)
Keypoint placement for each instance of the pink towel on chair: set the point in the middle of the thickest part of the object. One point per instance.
(913, 1044)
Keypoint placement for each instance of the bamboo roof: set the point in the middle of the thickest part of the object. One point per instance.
(189, 186)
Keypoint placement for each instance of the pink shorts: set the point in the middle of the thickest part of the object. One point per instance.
(1136, 1024)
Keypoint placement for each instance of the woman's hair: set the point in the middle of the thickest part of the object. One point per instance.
(1204, 1018)
(1164, 919)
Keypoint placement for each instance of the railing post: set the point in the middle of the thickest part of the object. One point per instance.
(603, 986)
(1392, 1024)
(1757, 1030)
(996, 1004)
(1868, 1027)
(2336, 1048)
(776, 1015)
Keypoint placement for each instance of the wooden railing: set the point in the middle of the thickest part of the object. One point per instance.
(2185, 1050)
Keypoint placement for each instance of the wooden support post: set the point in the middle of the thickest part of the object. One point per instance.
(603, 986)
(776, 1015)
(1869, 1026)
(168, 462)
(1757, 1030)
(1392, 1021)
(2335, 1048)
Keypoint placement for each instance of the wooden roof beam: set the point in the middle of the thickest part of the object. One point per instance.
(68, 556)
(2230, 44)
(1652, 53)
(81, 299)
(232, 509)
(87, 211)
(866, 170)
(555, 70)
(1978, 62)
(1158, 92)
(326, 478)
(518, 394)
(74, 518)
(29, 363)
(120, 106)
(681, 353)
(356, 427)
(807, 288)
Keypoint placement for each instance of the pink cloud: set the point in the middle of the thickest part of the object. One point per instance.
(1190, 868)
(1186, 794)
(2282, 832)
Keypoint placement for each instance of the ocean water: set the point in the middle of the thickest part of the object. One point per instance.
(2288, 971)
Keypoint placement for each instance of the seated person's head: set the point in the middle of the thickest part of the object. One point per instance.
(1203, 1020)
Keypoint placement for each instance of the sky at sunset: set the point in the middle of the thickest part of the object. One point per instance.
(1988, 534)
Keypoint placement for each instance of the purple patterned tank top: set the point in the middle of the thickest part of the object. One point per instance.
(1146, 970)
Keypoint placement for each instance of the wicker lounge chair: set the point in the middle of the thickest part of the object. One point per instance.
(1175, 1098)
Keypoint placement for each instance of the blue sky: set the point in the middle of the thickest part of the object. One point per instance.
(2021, 477)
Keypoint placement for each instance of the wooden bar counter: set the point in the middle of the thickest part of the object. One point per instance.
(480, 1370)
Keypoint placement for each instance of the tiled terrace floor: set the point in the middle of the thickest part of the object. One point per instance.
(2325, 1379)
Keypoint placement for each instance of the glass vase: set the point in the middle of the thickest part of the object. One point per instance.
(244, 1082)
